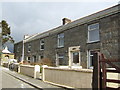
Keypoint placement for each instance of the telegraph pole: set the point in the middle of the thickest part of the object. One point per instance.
(23, 47)
(22, 59)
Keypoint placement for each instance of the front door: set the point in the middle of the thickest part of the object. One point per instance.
(75, 58)
(34, 59)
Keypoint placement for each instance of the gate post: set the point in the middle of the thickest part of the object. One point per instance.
(96, 73)
(103, 72)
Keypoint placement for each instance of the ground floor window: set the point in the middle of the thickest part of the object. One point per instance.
(60, 59)
(41, 57)
(28, 58)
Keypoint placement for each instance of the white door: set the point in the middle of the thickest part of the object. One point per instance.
(74, 56)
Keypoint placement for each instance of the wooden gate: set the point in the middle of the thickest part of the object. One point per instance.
(103, 70)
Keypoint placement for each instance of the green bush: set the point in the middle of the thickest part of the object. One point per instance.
(41, 68)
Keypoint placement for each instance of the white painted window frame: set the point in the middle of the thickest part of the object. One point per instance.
(29, 47)
(40, 57)
(88, 58)
(57, 59)
(42, 44)
(89, 66)
(88, 41)
(34, 58)
(27, 59)
(59, 37)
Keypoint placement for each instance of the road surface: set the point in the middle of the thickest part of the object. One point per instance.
(9, 81)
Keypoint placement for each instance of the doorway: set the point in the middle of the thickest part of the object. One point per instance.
(92, 56)
(74, 56)
(34, 58)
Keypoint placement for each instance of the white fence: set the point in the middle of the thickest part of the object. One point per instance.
(33, 71)
(114, 76)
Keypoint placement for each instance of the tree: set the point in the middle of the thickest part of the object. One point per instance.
(6, 32)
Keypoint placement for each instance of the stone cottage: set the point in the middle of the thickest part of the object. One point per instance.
(75, 43)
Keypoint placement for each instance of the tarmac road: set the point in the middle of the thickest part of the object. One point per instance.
(9, 81)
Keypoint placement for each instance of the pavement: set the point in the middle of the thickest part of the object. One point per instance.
(37, 83)
(9, 81)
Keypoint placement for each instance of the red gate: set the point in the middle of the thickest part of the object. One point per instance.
(103, 69)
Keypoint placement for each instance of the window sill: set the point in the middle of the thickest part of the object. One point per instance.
(76, 67)
(93, 41)
(41, 49)
(91, 67)
(60, 47)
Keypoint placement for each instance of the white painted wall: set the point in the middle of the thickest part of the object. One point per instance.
(33, 71)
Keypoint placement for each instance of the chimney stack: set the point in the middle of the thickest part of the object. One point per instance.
(66, 21)
(26, 36)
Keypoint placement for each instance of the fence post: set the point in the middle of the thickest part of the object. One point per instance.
(36, 71)
(43, 72)
(95, 79)
(19, 68)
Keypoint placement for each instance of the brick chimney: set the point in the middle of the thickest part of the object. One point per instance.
(66, 21)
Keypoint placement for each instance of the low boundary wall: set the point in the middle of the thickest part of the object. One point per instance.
(33, 71)
(81, 78)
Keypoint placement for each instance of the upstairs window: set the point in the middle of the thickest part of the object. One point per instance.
(93, 33)
(42, 44)
(29, 47)
(61, 40)
(18, 49)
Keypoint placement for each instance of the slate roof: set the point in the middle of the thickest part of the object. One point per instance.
(86, 19)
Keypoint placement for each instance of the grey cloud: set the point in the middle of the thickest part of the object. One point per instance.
(31, 18)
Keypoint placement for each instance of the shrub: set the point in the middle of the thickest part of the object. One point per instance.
(44, 61)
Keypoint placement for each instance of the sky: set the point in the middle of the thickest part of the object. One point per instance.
(31, 17)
